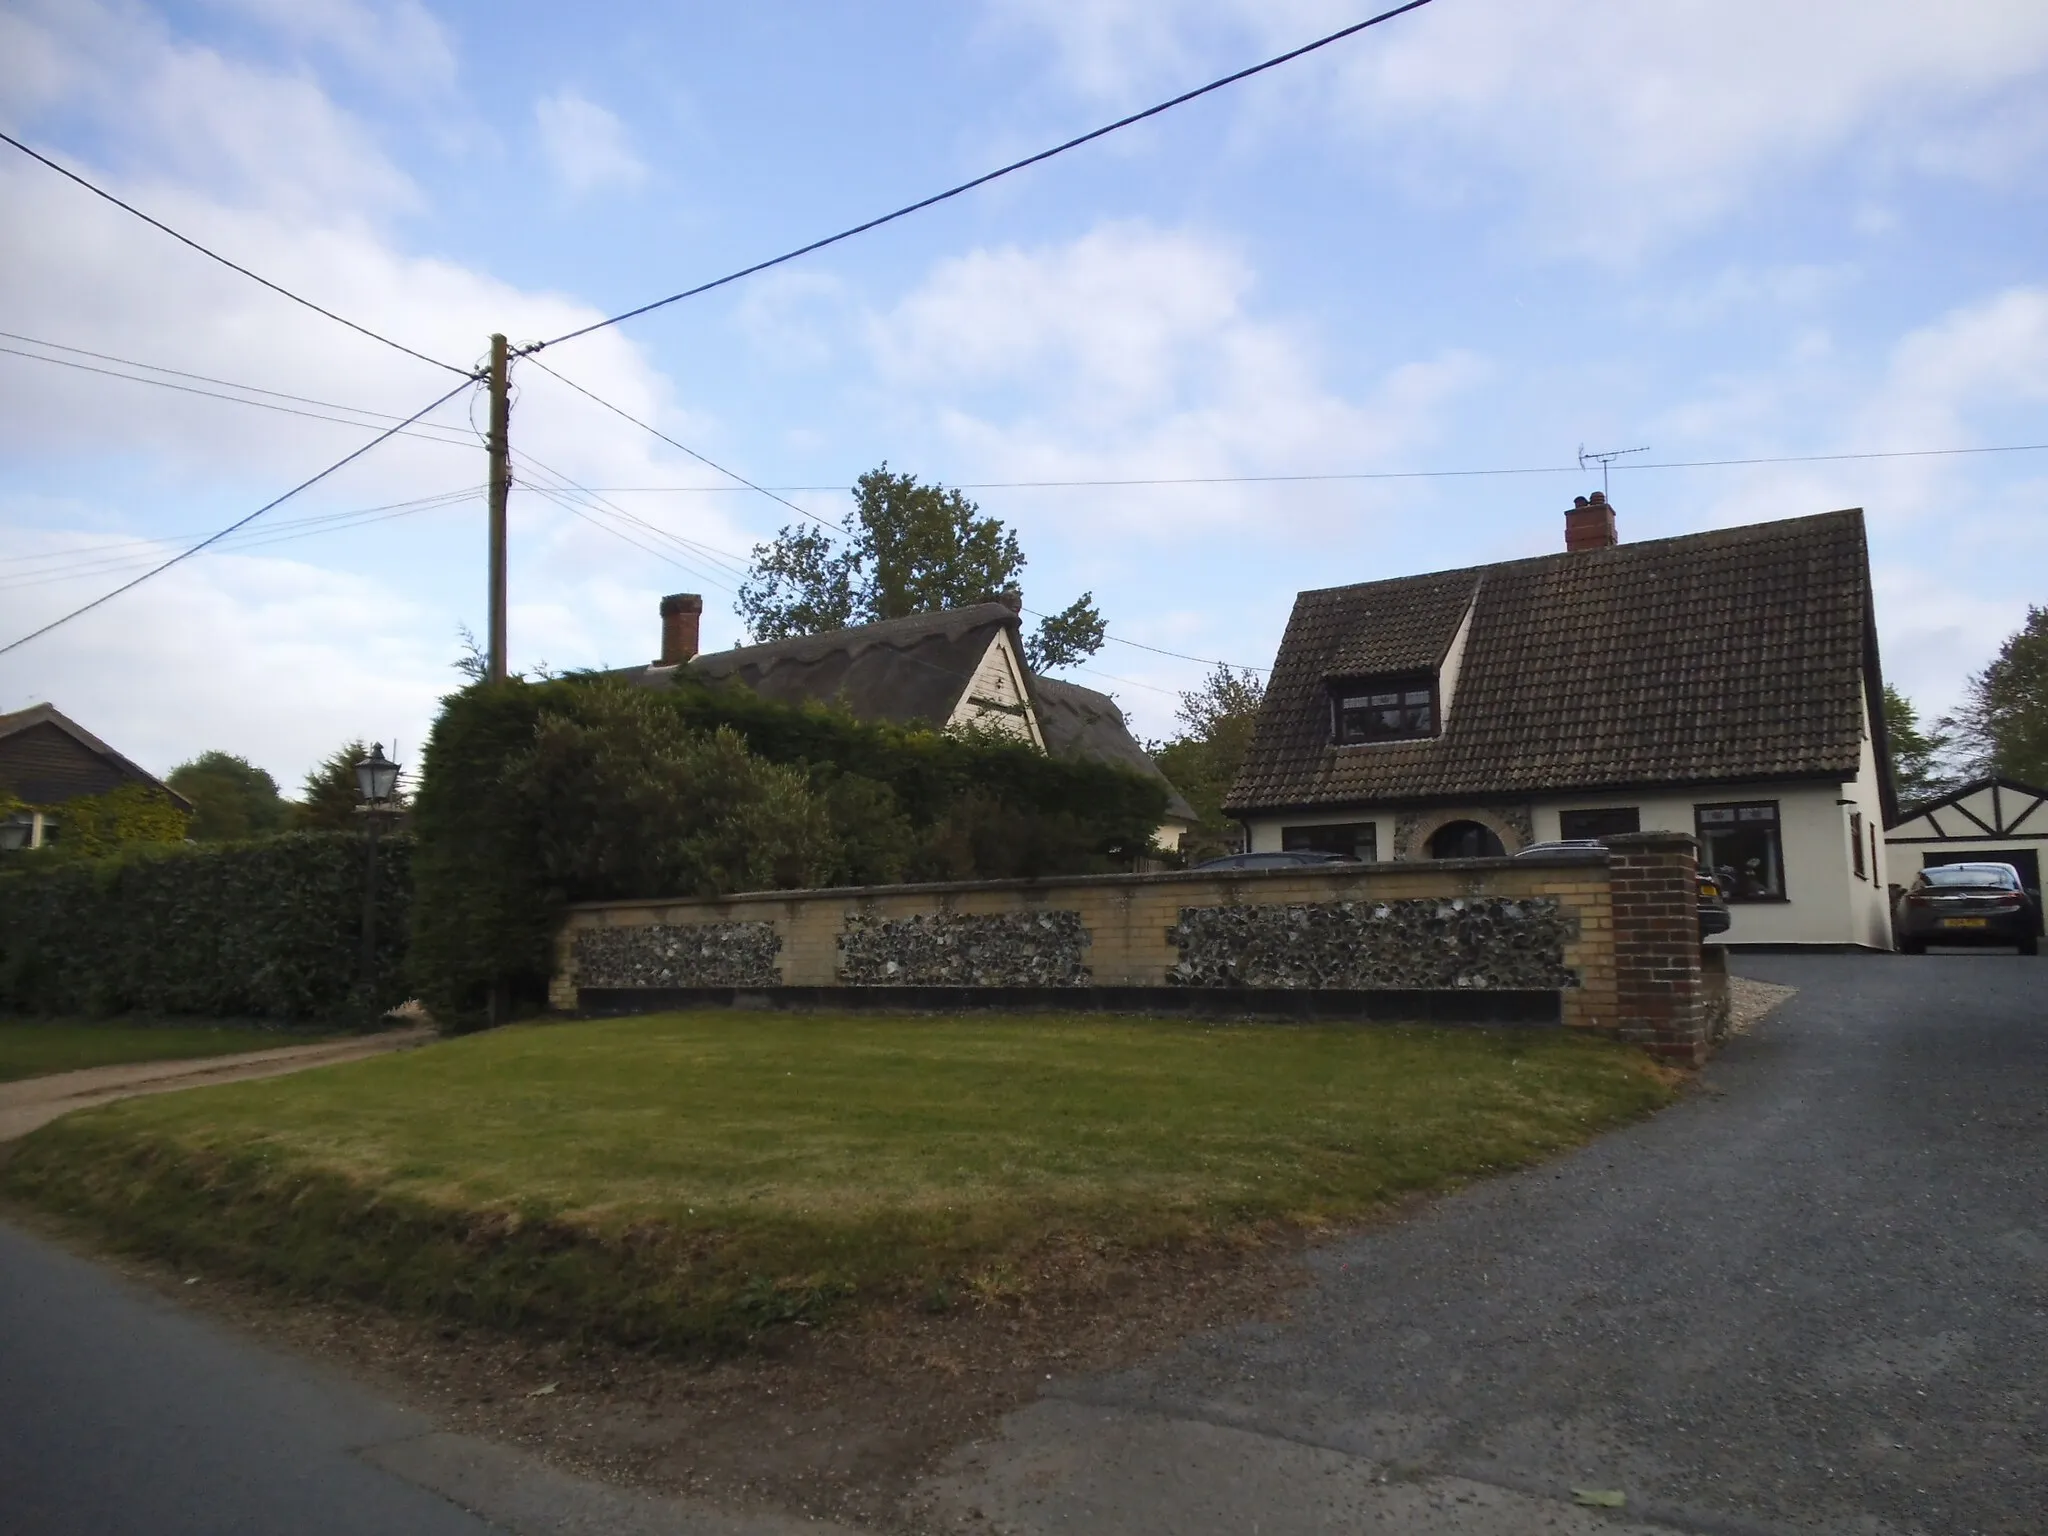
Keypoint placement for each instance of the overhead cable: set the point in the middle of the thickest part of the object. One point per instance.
(242, 522)
(730, 474)
(983, 180)
(1341, 475)
(232, 266)
(262, 405)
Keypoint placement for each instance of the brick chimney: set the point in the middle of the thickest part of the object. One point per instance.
(680, 613)
(1589, 524)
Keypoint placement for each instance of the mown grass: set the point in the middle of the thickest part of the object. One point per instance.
(690, 1179)
(38, 1047)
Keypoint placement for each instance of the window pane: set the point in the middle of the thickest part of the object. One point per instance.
(1740, 845)
(1608, 821)
(1353, 839)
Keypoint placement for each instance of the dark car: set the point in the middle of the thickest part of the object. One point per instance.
(1291, 860)
(1713, 907)
(1967, 904)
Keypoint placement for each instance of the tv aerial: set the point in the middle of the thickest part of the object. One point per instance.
(1604, 460)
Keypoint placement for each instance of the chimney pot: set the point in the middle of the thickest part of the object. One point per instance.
(681, 612)
(1589, 523)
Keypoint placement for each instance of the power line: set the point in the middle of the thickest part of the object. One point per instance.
(382, 437)
(1342, 475)
(730, 474)
(232, 266)
(833, 528)
(77, 563)
(263, 405)
(986, 178)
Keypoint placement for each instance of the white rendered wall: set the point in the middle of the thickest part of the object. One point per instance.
(995, 698)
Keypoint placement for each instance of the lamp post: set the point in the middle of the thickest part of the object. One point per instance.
(376, 783)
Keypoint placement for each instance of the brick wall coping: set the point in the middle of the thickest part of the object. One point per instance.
(1563, 857)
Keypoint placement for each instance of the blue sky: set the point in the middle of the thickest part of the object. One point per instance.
(1476, 238)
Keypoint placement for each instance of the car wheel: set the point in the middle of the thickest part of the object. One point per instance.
(1912, 946)
(2031, 944)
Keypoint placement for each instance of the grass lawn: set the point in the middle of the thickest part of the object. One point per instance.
(38, 1047)
(691, 1178)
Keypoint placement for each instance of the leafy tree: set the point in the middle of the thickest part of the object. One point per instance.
(1918, 770)
(232, 798)
(912, 548)
(1217, 720)
(2002, 724)
(329, 800)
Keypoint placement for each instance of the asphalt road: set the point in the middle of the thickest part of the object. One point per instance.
(1812, 1298)
(122, 1414)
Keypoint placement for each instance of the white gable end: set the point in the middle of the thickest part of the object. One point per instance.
(996, 698)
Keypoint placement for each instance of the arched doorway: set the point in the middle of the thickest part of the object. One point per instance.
(1465, 840)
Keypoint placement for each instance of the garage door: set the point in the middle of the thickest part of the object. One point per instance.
(2026, 860)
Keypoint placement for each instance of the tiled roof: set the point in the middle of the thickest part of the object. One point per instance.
(1079, 722)
(1736, 654)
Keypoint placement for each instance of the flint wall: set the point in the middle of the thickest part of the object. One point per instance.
(1434, 939)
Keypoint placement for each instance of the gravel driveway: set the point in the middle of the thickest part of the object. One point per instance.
(1812, 1298)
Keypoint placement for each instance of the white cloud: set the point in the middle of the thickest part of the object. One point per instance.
(1134, 352)
(586, 145)
(280, 653)
(1622, 122)
(399, 43)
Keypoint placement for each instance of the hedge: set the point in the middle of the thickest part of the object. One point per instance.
(269, 929)
(492, 878)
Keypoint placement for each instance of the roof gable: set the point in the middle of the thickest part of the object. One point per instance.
(1736, 654)
(1993, 806)
(46, 757)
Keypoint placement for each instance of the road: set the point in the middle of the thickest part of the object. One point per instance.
(122, 1414)
(1811, 1298)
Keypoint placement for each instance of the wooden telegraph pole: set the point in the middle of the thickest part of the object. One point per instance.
(501, 491)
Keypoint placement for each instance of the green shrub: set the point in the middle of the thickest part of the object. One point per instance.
(253, 930)
(533, 795)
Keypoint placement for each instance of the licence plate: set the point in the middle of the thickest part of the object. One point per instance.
(1962, 922)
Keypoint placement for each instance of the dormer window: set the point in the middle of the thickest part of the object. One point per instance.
(1401, 707)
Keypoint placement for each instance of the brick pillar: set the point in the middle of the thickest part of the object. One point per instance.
(1660, 995)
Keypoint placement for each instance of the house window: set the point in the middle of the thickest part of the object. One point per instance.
(1740, 843)
(1608, 821)
(1353, 839)
(1384, 708)
(1856, 842)
(1465, 840)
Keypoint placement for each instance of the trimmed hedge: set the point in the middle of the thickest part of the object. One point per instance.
(269, 929)
(493, 864)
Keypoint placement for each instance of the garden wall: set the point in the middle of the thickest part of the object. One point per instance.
(1606, 942)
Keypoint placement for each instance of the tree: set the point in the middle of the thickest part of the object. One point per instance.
(1217, 720)
(329, 800)
(232, 798)
(1918, 770)
(2002, 724)
(912, 548)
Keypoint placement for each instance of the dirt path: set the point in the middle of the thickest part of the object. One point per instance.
(37, 1101)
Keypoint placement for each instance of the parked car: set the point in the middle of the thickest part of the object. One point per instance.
(1967, 904)
(1292, 860)
(1713, 906)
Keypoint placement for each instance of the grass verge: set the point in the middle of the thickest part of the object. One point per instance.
(38, 1047)
(696, 1180)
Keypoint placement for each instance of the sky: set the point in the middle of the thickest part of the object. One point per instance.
(1481, 237)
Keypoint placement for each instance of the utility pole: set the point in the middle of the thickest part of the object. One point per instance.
(501, 492)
